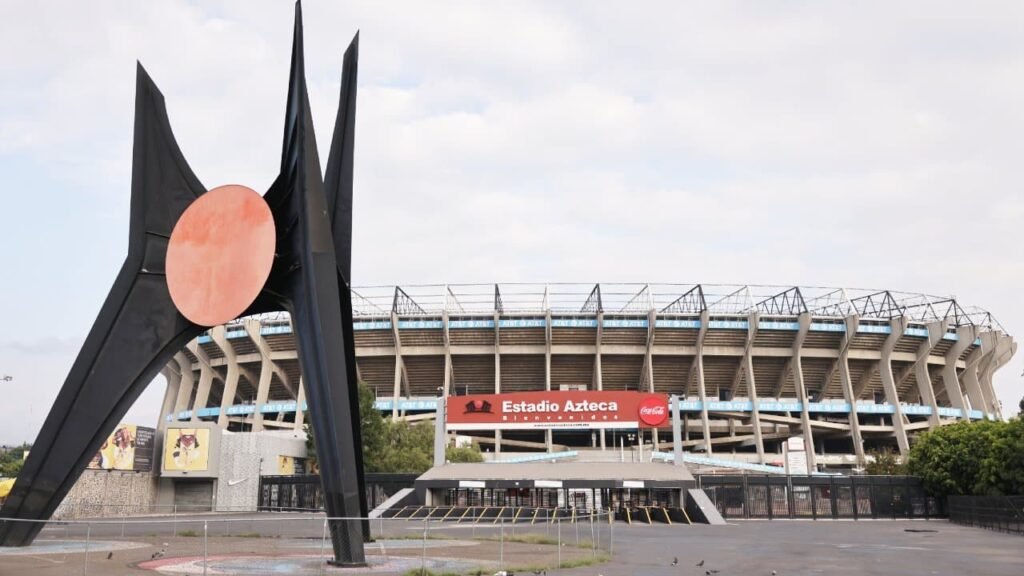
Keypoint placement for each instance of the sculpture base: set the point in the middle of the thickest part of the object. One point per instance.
(347, 564)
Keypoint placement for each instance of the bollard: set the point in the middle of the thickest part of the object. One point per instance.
(323, 541)
(593, 539)
(501, 552)
(559, 566)
(423, 560)
(611, 538)
(88, 534)
(206, 544)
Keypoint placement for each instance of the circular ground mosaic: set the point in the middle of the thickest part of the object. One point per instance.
(44, 547)
(389, 544)
(255, 564)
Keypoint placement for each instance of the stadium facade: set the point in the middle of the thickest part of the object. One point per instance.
(846, 370)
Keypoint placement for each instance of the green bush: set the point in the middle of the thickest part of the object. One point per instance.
(971, 458)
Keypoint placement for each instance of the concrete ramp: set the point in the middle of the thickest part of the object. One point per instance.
(701, 509)
(395, 501)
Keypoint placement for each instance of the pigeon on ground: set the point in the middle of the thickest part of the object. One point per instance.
(699, 564)
(675, 561)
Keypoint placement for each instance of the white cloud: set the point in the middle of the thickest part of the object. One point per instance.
(871, 145)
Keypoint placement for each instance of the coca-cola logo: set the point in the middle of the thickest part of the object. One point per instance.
(653, 411)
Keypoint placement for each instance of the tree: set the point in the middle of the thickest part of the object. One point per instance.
(884, 463)
(395, 445)
(1002, 470)
(1021, 406)
(463, 454)
(11, 461)
(967, 458)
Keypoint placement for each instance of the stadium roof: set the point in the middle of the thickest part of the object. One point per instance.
(680, 299)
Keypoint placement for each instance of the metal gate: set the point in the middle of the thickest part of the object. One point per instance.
(819, 497)
(193, 495)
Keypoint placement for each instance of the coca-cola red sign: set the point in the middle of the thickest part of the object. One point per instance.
(653, 411)
(591, 409)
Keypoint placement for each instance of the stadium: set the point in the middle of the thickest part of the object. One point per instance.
(846, 370)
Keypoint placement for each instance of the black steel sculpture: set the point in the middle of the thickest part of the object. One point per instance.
(139, 328)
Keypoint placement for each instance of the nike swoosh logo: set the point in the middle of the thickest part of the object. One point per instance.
(235, 482)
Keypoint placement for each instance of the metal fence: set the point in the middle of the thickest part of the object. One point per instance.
(294, 543)
(820, 497)
(305, 492)
(1000, 513)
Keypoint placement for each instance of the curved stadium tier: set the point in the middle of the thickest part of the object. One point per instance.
(848, 370)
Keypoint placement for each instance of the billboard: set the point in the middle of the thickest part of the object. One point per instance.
(128, 448)
(187, 450)
(568, 409)
(290, 465)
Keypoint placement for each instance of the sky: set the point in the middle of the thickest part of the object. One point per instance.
(866, 144)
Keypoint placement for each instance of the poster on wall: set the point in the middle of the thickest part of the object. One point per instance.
(568, 409)
(128, 448)
(187, 450)
(291, 466)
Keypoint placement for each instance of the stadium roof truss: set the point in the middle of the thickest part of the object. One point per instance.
(568, 299)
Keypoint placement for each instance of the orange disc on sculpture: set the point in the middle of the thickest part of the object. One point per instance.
(220, 254)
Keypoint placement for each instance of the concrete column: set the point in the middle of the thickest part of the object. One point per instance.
(1005, 348)
(698, 371)
(548, 439)
(440, 440)
(748, 369)
(846, 382)
(969, 376)
(399, 365)
(950, 380)
(497, 377)
(677, 433)
(187, 382)
(447, 384)
(219, 336)
(798, 383)
(598, 384)
(923, 376)
(300, 416)
(262, 391)
(896, 327)
(206, 374)
(999, 349)
(172, 373)
(253, 329)
(648, 369)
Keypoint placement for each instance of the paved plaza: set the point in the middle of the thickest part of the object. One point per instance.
(807, 547)
(276, 544)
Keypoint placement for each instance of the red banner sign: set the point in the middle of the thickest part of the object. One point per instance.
(557, 409)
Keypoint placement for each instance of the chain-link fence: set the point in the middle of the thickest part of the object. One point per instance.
(298, 543)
